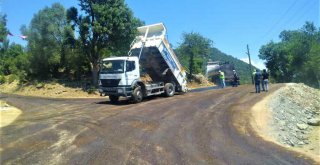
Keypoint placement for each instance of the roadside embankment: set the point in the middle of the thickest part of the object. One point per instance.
(291, 117)
(47, 89)
(7, 114)
(55, 89)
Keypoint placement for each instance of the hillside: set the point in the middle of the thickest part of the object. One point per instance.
(241, 67)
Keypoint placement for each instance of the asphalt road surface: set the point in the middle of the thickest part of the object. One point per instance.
(207, 127)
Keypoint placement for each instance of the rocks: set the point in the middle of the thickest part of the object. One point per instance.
(40, 85)
(314, 122)
(60, 92)
(295, 111)
(302, 126)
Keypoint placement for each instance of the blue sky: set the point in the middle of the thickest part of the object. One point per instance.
(230, 24)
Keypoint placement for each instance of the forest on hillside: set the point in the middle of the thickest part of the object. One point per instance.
(242, 68)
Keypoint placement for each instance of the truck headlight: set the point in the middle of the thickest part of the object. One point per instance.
(120, 91)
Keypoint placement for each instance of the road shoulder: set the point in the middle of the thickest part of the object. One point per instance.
(8, 114)
(262, 119)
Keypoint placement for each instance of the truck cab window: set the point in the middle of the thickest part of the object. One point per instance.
(112, 66)
(130, 66)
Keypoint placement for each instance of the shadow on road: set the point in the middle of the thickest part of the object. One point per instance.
(205, 89)
(119, 103)
(124, 101)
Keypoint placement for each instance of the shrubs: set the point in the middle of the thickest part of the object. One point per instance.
(21, 78)
(91, 90)
(2, 79)
(12, 78)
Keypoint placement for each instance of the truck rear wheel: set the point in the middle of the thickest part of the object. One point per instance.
(137, 95)
(113, 99)
(169, 89)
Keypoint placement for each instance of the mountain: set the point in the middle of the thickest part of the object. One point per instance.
(242, 68)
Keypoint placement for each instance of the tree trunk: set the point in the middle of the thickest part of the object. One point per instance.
(94, 70)
(191, 63)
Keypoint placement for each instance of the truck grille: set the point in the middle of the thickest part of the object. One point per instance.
(110, 82)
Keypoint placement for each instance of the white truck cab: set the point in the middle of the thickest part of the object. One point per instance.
(117, 75)
(150, 56)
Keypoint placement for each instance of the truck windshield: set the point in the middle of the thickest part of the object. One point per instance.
(112, 66)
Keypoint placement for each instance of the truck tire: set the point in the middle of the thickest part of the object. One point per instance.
(113, 99)
(137, 95)
(169, 89)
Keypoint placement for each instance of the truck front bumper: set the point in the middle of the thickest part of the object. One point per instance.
(125, 91)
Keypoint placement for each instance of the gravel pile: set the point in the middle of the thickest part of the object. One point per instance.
(296, 112)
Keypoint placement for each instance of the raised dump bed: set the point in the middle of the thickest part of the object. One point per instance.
(157, 57)
(151, 68)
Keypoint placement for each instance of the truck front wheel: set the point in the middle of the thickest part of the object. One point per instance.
(169, 89)
(113, 99)
(137, 95)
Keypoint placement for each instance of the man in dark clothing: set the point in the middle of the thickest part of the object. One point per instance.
(265, 81)
(257, 79)
(235, 79)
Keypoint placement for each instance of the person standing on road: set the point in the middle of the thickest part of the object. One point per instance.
(265, 80)
(235, 79)
(254, 72)
(257, 79)
(222, 79)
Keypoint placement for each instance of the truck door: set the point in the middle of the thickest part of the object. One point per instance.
(132, 72)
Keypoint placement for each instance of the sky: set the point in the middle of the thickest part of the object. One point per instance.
(230, 24)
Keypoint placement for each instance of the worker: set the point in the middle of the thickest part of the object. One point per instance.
(257, 80)
(222, 79)
(235, 79)
(254, 72)
(265, 81)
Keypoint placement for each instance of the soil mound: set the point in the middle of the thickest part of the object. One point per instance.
(49, 89)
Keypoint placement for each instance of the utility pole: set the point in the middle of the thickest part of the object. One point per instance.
(248, 53)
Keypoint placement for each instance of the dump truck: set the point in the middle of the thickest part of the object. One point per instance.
(212, 71)
(150, 68)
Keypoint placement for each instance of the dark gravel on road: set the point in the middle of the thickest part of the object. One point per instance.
(208, 127)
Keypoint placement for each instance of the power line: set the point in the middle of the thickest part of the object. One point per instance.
(279, 20)
(305, 10)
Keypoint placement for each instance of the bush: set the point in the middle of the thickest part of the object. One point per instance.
(22, 77)
(12, 78)
(91, 90)
(2, 79)
(40, 85)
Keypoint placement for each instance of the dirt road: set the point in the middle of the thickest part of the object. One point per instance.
(209, 127)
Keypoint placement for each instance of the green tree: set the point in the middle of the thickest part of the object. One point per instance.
(3, 34)
(193, 51)
(45, 40)
(3, 28)
(295, 57)
(3, 42)
(105, 26)
(313, 65)
(15, 62)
